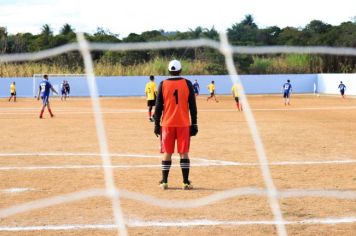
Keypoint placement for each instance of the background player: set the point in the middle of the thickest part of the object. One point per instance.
(235, 94)
(287, 90)
(43, 92)
(151, 94)
(67, 88)
(211, 88)
(176, 100)
(12, 91)
(196, 87)
(63, 91)
(342, 88)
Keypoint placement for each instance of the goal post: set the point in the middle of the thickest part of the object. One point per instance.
(36, 78)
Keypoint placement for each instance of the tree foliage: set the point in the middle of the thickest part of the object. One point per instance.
(241, 33)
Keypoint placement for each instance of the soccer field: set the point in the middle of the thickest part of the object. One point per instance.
(310, 146)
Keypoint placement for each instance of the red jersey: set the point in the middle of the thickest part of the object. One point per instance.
(176, 100)
(175, 110)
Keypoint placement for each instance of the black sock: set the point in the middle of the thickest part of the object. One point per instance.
(166, 165)
(185, 165)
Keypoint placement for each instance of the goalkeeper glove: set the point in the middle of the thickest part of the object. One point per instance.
(193, 130)
(157, 130)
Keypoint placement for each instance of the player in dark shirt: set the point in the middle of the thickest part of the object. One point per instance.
(342, 88)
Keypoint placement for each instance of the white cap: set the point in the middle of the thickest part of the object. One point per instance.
(174, 65)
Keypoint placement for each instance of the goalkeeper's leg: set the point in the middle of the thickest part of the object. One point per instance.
(166, 166)
(183, 143)
(185, 166)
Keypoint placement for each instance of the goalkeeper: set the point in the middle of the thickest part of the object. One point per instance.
(175, 100)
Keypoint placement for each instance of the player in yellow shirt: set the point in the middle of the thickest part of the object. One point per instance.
(12, 91)
(211, 88)
(235, 94)
(151, 94)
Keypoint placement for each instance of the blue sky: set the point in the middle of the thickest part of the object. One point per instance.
(126, 16)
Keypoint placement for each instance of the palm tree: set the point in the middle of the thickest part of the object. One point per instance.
(249, 21)
(197, 32)
(66, 29)
(46, 30)
(45, 39)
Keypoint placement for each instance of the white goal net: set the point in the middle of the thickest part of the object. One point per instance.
(112, 192)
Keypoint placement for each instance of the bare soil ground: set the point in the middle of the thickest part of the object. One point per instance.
(310, 145)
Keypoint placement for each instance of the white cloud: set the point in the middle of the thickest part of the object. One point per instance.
(28, 16)
(126, 16)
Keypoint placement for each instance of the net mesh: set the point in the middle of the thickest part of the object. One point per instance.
(115, 194)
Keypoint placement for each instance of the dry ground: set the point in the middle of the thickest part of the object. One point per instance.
(318, 129)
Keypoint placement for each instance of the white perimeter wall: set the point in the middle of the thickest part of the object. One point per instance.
(328, 83)
(135, 85)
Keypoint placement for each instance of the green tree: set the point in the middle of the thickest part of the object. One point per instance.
(19, 43)
(268, 36)
(3, 40)
(243, 33)
(290, 36)
(313, 33)
(66, 29)
(45, 39)
(102, 35)
(153, 35)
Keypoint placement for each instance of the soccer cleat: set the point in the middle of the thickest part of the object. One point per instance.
(187, 186)
(151, 119)
(163, 185)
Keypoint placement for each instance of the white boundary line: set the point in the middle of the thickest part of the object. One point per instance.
(201, 162)
(176, 223)
(67, 167)
(9, 110)
(64, 167)
(86, 154)
(15, 190)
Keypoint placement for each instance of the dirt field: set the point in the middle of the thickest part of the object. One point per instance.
(310, 145)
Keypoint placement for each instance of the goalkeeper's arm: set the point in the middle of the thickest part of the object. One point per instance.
(159, 105)
(158, 111)
(192, 109)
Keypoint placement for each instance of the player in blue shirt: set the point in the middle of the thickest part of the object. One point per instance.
(43, 92)
(342, 89)
(287, 90)
(196, 88)
(63, 91)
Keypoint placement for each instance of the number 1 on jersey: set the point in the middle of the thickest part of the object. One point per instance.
(176, 95)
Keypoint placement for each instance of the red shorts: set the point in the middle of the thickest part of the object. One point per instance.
(170, 134)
